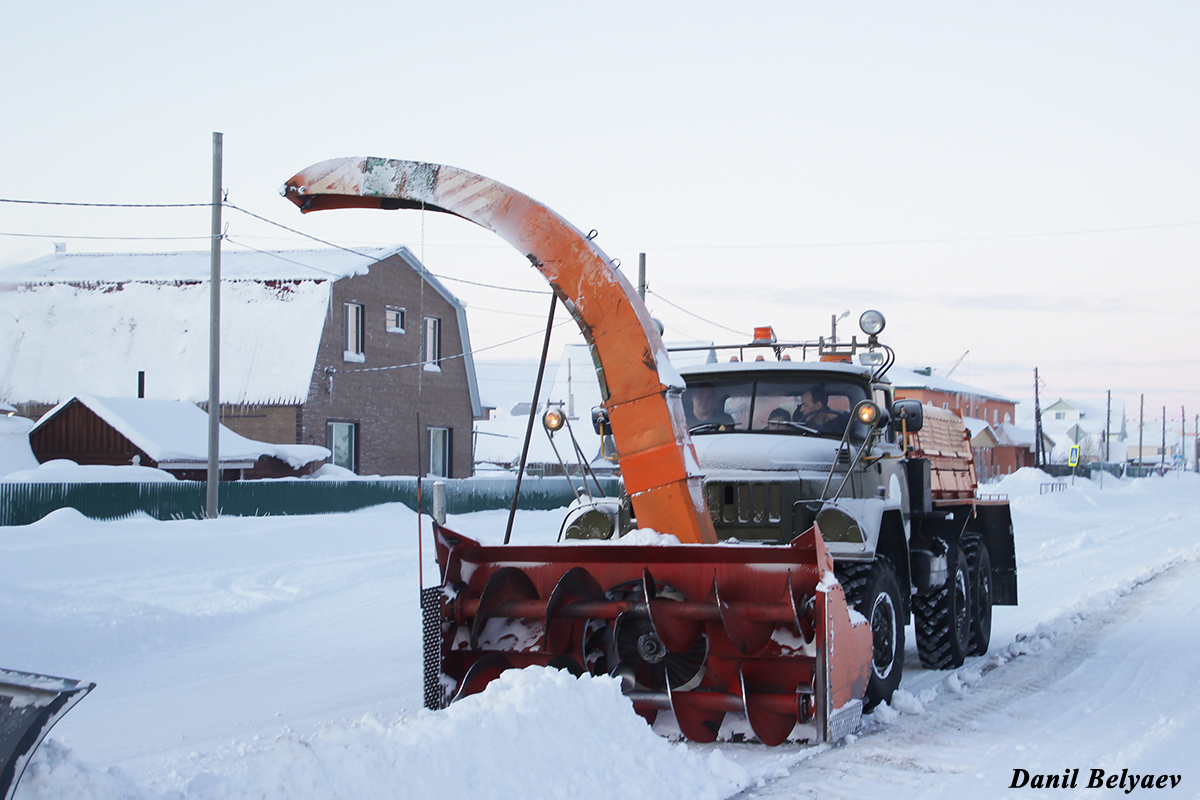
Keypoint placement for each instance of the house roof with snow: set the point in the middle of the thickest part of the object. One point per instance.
(981, 432)
(94, 310)
(175, 434)
(907, 378)
(1009, 435)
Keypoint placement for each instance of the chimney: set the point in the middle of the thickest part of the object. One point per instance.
(141, 384)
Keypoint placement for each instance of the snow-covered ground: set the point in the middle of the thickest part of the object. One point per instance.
(280, 658)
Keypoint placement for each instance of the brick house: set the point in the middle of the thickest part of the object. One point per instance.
(968, 401)
(341, 349)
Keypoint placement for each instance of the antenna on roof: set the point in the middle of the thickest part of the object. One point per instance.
(954, 366)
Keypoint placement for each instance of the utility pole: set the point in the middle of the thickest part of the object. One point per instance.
(642, 276)
(1039, 452)
(214, 336)
(1108, 428)
(1141, 431)
(1162, 457)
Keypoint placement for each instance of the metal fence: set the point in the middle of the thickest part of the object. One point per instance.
(24, 503)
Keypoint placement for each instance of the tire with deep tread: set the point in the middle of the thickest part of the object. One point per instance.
(875, 593)
(943, 618)
(980, 565)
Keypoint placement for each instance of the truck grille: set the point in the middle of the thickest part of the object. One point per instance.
(744, 503)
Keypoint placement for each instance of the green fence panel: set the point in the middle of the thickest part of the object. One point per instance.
(24, 503)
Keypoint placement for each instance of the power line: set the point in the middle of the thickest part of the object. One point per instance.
(697, 316)
(372, 258)
(104, 205)
(943, 240)
(460, 355)
(107, 238)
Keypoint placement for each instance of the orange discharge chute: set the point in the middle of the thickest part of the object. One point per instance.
(639, 386)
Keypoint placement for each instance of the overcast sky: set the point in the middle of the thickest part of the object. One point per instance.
(1017, 180)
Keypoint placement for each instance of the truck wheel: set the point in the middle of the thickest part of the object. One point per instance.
(980, 564)
(875, 593)
(943, 618)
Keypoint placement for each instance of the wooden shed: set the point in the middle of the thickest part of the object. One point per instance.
(167, 435)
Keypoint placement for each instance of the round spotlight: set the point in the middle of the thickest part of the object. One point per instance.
(553, 419)
(871, 322)
(866, 412)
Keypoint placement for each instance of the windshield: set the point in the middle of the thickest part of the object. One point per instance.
(804, 405)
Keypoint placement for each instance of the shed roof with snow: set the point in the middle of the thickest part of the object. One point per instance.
(174, 434)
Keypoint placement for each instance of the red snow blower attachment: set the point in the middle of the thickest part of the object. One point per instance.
(699, 630)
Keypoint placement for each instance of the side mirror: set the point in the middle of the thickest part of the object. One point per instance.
(907, 414)
(600, 421)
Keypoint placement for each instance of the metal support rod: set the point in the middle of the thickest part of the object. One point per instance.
(642, 276)
(537, 390)
(214, 337)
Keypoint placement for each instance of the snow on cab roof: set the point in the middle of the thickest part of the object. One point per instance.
(175, 433)
(777, 366)
(236, 265)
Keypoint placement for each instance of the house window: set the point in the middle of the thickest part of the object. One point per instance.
(394, 319)
(353, 350)
(342, 439)
(439, 452)
(995, 416)
(432, 342)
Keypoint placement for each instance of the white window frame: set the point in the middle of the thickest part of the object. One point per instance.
(438, 447)
(387, 319)
(353, 332)
(431, 343)
(331, 427)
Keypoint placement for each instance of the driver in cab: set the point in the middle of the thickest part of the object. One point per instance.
(705, 408)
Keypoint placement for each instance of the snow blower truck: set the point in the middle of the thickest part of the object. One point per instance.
(746, 614)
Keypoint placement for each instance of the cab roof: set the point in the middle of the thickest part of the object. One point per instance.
(730, 368)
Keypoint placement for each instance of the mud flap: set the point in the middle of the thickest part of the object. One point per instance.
(29, 706)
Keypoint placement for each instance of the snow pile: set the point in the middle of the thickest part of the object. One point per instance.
(14, 445)
(63, 470)
(532, 733)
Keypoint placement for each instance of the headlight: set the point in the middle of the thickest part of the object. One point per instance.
(871, 322)
(866, 412)
(553, 419)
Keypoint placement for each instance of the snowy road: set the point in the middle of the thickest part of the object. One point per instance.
(279, 657)
(1115, 691)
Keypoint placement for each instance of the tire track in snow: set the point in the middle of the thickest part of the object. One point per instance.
(918, 754)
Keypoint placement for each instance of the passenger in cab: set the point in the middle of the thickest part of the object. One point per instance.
(814, 411)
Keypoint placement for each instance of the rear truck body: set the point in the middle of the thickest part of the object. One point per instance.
(756, 625)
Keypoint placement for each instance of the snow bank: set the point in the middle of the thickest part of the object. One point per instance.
(63, 470)
(532, 733)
